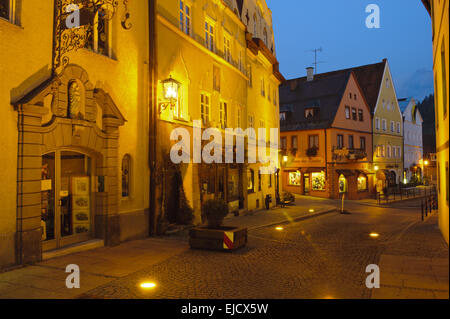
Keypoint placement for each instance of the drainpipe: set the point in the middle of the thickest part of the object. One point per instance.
(153, 109)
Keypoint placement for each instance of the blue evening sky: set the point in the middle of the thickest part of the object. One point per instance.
(339, 28)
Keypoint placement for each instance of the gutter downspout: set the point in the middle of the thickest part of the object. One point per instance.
(153, 120)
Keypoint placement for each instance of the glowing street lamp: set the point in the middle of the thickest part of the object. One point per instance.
(171, 93)
(285, 159)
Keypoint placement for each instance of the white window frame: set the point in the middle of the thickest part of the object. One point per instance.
(384, 124)
(392, 127)
(377, 123)
(205, 108)
(210, 36)
(399, 128)
(223, 114)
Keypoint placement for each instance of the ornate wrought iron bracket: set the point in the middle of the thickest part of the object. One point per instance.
(68, 38)
(125, 24)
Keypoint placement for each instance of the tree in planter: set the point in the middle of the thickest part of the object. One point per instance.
(215, 211)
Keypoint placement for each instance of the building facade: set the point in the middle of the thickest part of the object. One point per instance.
(440, 23)
(413, 141)
(74, 104)
(228, 77)
(326, 136)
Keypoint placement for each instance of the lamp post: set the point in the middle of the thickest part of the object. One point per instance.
(171, 94)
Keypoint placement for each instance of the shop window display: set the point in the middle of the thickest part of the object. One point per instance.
(318, 181)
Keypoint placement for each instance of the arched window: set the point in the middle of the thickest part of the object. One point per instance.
(126, 175)
(75, 101)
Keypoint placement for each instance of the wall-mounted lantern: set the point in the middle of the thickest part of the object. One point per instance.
(171, 89)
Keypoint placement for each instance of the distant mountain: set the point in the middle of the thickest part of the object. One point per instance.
(418, 85)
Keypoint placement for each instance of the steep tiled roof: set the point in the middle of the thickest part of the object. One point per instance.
(369, 78)
(324, 93)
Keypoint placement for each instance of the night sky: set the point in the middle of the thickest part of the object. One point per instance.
(339, 28)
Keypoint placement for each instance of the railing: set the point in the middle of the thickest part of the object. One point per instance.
(396, 193)
(428, 204)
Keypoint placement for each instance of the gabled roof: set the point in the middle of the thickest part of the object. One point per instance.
(369, 78)
(324, 93)
(403, 104)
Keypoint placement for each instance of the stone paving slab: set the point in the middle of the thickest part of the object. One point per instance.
(47, 280)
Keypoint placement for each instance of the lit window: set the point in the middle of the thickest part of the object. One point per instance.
(185, 18)
(205, 108)
(318, 181)
(223, 114)
(362, 183)
(126, 172)
(295, 178)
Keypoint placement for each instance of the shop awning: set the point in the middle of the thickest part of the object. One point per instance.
(345, 172)
(311, 169)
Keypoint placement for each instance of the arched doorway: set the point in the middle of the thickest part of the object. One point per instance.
(67, 165)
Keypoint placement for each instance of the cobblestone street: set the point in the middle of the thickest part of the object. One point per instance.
(319, 256)
(322, 257)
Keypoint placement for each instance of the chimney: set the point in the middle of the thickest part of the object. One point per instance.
(309, 74)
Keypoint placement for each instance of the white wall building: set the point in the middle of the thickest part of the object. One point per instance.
(413, 143)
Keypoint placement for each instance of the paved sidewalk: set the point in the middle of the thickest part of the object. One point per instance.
(47, 280)
(416, 266)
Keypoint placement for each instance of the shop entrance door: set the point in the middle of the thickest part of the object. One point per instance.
(306, 184)
(66, 199)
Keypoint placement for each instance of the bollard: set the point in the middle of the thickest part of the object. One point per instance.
(421, 206)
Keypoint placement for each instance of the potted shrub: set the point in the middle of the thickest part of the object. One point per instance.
(214, 236)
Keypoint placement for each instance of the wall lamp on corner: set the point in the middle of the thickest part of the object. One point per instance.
(171, 89)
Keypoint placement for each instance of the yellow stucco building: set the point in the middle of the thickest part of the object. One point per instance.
(79, 95)
(222, 55)
(74, 109)
(439, 16)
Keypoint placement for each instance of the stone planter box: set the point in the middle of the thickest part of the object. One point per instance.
(221, 239)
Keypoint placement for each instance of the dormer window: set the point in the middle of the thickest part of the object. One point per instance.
(311, 113)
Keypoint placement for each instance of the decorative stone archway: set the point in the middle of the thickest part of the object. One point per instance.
(95, 130)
